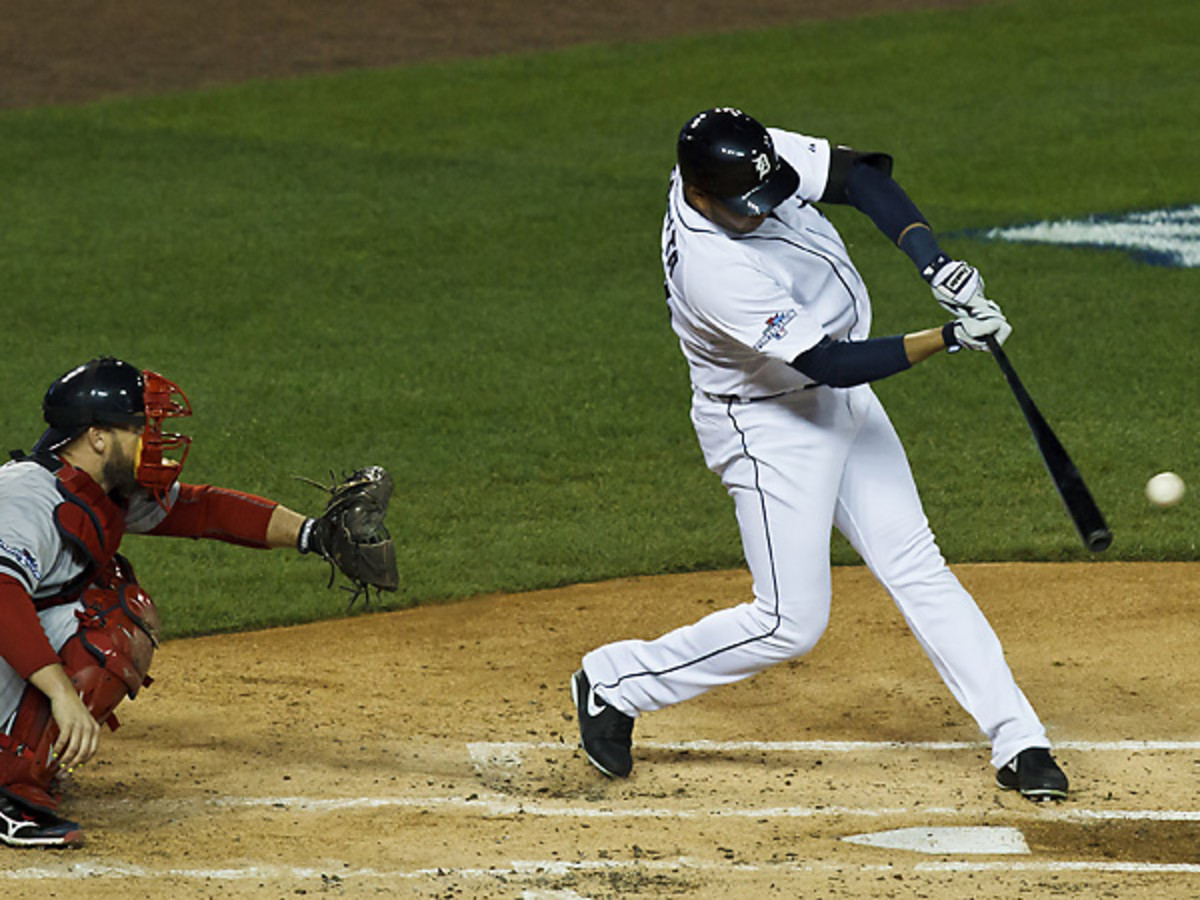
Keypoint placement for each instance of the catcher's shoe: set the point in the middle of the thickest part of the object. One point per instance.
(1034, 773)
(21, 826)
(605, 733)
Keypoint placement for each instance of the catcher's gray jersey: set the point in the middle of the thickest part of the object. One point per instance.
(31, 548)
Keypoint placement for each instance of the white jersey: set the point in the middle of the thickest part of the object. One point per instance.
(744, 306)
(31, 548)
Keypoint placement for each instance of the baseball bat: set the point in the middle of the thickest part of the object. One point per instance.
(1084, 512)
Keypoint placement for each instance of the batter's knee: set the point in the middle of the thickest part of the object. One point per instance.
(789, 636)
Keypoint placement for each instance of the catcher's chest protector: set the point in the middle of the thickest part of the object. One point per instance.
(88, 521)
(108, 659)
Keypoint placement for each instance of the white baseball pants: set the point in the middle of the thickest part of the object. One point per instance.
(796, 466)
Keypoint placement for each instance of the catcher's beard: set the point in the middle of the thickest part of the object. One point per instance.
(120, 473)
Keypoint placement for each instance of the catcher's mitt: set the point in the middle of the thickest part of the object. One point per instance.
(351, 534)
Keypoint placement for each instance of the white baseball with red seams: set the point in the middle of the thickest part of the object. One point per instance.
(799, 459)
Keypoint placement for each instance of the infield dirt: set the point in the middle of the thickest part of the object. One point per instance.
(431, 752)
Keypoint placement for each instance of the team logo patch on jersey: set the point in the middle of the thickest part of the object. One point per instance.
(1163, 237)
(23, 558)
(776, 328)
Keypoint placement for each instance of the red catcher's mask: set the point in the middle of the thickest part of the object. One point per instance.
(164, 400)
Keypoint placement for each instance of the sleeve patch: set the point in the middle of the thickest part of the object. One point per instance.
(23, 558)
(776, 328)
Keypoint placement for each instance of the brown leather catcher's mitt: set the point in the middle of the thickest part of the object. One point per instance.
(351, 535)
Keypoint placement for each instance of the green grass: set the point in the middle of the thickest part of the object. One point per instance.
(452, 270)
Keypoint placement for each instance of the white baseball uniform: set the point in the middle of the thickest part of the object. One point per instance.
(799, 458)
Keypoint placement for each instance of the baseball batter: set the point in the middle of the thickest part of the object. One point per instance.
(77, 633)
(774, 321)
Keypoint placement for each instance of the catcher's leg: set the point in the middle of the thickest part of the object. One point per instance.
(108, 659)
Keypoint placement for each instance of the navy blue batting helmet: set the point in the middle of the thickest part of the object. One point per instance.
(728, 154)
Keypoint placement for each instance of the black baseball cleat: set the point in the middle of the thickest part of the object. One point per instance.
(21, 826)
(605, 733)
(1034, 773)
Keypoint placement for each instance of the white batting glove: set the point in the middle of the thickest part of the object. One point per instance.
(957, 286)
(970, 330)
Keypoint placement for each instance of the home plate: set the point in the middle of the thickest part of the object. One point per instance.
(967, 839)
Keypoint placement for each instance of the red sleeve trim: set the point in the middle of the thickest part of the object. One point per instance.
(23, 641)
(203, 511)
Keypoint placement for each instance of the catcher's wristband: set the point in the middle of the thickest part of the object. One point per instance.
(305, 540)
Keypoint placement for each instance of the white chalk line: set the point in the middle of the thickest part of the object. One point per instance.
(490, 751)
(530, 869)
(498, 805)
(510, 754)
(1108, 866)
(501, 806)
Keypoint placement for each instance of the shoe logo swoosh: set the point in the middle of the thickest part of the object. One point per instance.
(594, 706)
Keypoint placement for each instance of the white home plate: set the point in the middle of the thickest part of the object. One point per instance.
(968, 839)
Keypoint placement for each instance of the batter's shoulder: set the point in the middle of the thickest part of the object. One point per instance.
(808, 155)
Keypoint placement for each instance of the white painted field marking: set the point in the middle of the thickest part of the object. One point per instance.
(512, 753)
(500, 805)
(1063, 866)
(517, 868)
(1164, 236)
(970, 839)
(77, 871)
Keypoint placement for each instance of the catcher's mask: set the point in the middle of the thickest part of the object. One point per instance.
(108, 391)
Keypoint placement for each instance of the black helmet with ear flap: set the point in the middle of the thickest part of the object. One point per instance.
(728, 154)
(104, 391)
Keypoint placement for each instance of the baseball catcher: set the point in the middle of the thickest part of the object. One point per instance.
(77, 632)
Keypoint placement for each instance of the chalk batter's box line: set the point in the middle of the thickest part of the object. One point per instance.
(509, 755)
(498, 805)
(539, 869)
(485, 749)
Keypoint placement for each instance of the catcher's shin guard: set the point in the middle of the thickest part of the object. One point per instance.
(108, 659)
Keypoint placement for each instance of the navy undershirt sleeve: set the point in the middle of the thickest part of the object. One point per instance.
(847, 363)
(885, 203)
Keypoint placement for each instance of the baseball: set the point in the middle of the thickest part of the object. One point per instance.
(1165, 489)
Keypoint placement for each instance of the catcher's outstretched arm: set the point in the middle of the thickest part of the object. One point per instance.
(223, 514)
(283, 530)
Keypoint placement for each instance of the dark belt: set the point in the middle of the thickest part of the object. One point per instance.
(734, 398)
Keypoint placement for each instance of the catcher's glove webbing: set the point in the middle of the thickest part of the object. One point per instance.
(351, 534)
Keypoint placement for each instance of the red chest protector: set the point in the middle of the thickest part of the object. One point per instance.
(88, 521)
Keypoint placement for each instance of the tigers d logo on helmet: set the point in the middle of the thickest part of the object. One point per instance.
(731, 156)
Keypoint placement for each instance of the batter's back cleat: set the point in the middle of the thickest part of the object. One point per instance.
(22, 826)
(605, 733)
(1034, 773)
